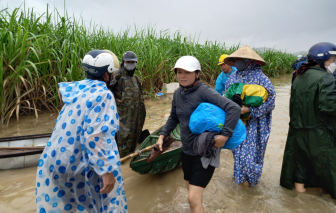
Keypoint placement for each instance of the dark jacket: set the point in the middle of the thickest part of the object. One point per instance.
(310, 153)
(204, 144)
(185, 101)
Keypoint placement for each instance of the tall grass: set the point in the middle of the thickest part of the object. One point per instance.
(39, 50)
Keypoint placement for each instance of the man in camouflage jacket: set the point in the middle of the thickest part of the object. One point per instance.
(127, 90)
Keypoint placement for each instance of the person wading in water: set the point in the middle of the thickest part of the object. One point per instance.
(310, 154)
(187, 97)
(127, 88)
(249, 155)
(79, 169)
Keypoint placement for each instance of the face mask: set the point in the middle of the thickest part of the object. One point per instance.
(240, 65)
(331, 68)
(130, 67)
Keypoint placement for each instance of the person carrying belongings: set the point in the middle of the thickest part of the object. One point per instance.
(79, 169)
(127, 89)
(208, 120)
(249, 155)
(250, 95)
(226, 71)
(310, 154)
(187, 98)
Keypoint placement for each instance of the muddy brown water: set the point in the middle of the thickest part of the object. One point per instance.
(167, 192)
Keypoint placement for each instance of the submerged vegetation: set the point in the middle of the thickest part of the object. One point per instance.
(40, 50)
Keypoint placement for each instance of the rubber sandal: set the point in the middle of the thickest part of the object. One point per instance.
(167, 141)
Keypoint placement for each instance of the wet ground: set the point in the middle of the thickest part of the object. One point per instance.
(167, 192)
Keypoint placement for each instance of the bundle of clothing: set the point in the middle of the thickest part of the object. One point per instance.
(250, 95)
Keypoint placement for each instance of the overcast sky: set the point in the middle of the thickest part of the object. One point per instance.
(291, 25)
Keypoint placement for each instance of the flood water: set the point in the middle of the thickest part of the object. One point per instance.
(167, 192)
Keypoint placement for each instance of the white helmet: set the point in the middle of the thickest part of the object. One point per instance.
(188, 63)
(97, 62)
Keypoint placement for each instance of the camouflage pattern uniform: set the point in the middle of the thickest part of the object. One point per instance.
(131, 110)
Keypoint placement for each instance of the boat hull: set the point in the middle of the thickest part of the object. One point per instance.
(167, 161)
(21, 151)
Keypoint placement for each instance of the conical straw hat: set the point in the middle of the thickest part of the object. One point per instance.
(245, 52)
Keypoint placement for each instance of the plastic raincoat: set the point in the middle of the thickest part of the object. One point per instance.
(310, 153)
(249, 155)
(221, 80)
(81, 149)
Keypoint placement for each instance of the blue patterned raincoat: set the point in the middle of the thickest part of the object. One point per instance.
(81, 149)
(249, 156)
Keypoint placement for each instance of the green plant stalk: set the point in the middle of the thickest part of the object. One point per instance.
(40, 50)
(2, 90)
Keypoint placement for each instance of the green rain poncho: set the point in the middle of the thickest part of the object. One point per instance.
(310, 153)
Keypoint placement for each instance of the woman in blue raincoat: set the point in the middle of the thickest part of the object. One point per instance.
(79, 170)
(249, 156)
(226, 72)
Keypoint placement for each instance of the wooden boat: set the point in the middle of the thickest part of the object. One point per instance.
(22, 151)
(168, 160)
(8, 152)
(25, 151)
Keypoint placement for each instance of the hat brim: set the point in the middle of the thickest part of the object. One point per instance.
(188, 70)
(233, 59)
(245, 52)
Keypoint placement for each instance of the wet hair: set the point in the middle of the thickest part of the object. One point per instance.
(198, 72)
(304, 67)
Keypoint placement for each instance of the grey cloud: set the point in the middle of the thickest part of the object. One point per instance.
(283, 24)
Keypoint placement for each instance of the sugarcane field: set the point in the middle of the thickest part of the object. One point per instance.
(167, 106)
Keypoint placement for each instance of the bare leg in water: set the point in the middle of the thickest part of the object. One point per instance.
(195, 194)
(246, 184)
(300, 187)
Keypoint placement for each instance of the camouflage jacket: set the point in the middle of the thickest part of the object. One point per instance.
(125, 87)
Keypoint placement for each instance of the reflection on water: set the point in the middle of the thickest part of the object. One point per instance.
(167, 192)
(29, 125)
(157, 111)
